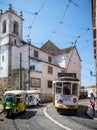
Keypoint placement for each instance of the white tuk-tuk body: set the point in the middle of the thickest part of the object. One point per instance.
(33, 97)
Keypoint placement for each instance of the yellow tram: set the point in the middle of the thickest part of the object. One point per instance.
(66, 92)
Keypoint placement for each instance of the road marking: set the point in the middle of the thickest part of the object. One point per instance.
(56, 122)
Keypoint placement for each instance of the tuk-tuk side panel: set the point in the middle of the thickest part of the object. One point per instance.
(21, 107)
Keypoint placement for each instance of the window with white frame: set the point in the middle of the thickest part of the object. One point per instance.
(3, 58)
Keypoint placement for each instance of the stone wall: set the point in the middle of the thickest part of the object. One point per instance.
(12, 82)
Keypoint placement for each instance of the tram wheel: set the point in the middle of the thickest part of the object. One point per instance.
(60, 111)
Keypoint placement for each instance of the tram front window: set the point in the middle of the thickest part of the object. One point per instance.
(58, 87)
(74, 89)
(67, 88)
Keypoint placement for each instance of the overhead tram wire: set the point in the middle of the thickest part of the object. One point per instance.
(85, 32)
(79, 6)
(74, 45)
(61, 20)
(66, 34)
(17, 8)
(62, 16)
(71, 54)
(35, 16)
(74, 26)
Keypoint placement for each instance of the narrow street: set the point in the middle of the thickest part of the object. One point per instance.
(35, 119)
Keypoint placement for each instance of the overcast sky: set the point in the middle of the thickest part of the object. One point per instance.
(64, 22)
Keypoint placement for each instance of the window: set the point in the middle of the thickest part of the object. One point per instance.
(15, 28)
(67, 88)
(2, 58)
(94, 33)
(35, 82)
(74, 89)
(59, 87)
(49, 84)
(32, 67)
(4, 26)
(50, 59)
(35, 54)
(50, 70)
(94, 43)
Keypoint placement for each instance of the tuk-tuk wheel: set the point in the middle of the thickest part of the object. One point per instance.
(8, 113)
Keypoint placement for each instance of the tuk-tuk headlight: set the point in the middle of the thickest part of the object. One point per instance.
(8, 103)
(14, 105)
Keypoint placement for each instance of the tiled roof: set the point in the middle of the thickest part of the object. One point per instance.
(50, 48)
(92, 86)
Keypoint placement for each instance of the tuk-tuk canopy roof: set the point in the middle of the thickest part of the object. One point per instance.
(15, 92)
(33, 91)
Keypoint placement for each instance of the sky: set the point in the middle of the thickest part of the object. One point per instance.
(64, 22)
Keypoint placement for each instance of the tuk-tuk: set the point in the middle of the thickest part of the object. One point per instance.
(14, 102)
(33, 97)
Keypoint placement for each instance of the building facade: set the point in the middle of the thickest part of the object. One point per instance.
(25, 66)
(91, 89)
(94, 24)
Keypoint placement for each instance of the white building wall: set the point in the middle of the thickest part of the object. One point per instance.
(4, 61)
(73, 63)
(44, 76)
(16, 57)
(42, 55)
(60, 60)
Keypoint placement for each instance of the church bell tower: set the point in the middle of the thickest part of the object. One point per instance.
(11, 25)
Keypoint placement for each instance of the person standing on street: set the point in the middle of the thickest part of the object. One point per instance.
(92, 103)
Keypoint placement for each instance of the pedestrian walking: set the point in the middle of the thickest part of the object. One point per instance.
(92, 103)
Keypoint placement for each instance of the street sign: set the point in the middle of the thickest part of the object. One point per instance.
(28, 82)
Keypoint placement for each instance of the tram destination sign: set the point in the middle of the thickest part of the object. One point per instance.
(67, 74)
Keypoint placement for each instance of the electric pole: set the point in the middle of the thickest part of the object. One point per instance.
(29, 82)
(20, 74)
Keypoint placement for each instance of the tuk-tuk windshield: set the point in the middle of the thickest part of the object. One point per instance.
(9, 98)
